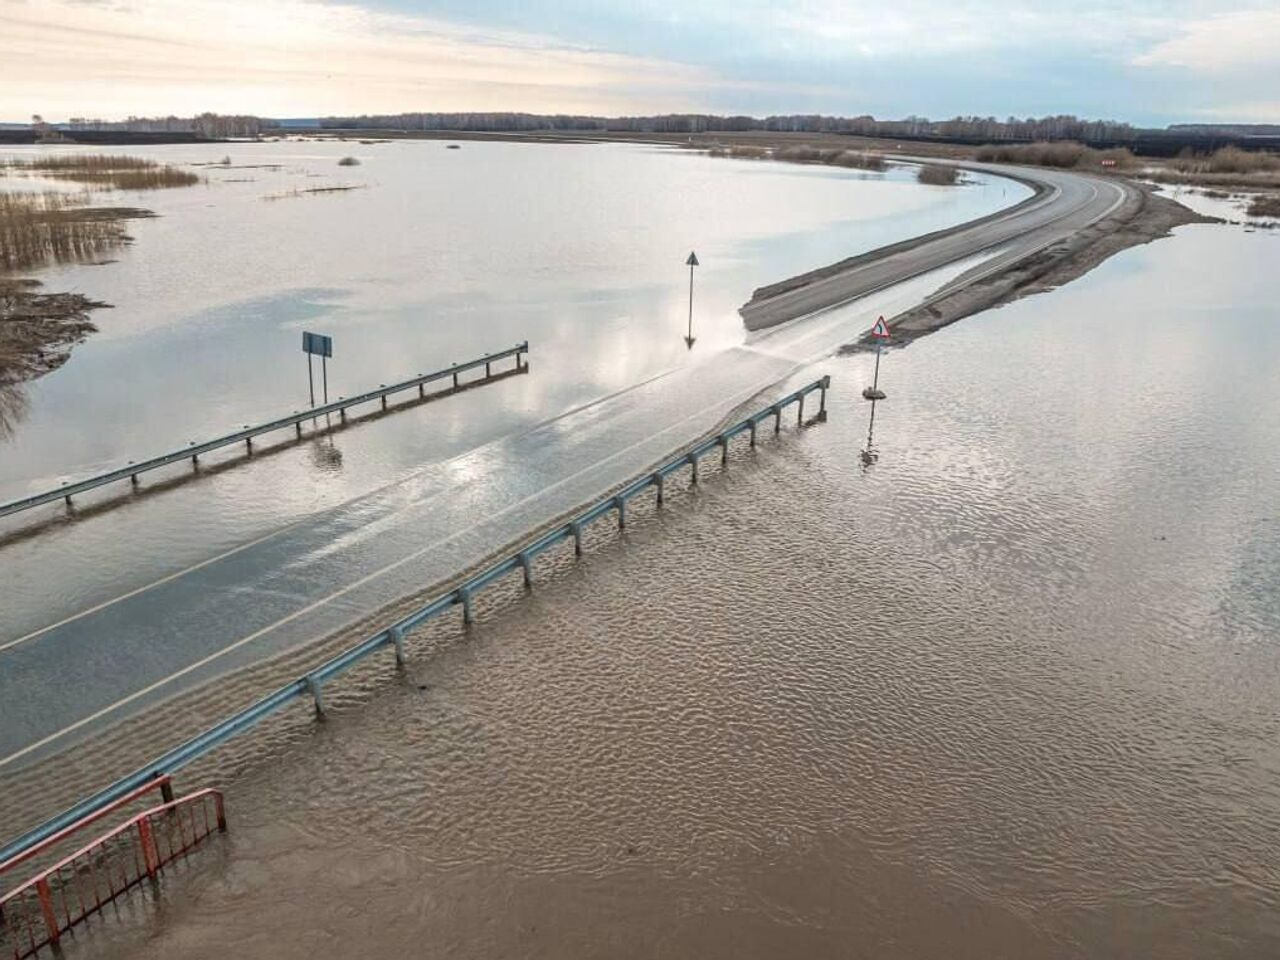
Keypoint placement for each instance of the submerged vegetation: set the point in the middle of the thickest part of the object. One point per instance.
(349, 162)
(804, 153)
(104, 170)
(53, 227)
(938, 175)
(304, 191)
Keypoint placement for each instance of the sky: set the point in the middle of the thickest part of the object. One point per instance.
(1148, 62)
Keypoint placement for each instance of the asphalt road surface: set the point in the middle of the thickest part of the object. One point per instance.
(315, 577)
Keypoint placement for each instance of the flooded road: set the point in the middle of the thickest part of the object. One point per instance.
(1006, 690)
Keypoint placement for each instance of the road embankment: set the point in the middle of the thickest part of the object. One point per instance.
(1070, 224)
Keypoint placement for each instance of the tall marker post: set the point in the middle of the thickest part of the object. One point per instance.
(691, 262)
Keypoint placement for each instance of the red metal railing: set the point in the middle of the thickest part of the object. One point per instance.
(163, 784)
(38, 912)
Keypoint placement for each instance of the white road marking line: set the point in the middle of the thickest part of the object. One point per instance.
(9, 644)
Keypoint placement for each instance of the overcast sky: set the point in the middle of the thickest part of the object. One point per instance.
(1145, 61)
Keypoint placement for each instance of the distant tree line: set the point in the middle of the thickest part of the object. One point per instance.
(211, 126)
(1063, 127)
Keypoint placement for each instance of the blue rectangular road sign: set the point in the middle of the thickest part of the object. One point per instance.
(317, 343)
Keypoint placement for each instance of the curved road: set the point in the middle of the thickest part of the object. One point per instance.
(1067, 203)
(315, 577)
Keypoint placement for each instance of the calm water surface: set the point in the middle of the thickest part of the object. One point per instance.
(1007, 690)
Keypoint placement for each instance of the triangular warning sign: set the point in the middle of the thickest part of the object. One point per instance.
(880, 330)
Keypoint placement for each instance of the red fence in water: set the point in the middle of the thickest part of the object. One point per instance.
(40, 911)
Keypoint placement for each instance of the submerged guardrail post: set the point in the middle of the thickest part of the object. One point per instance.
(526, 568)
(576, 528)
(777, 419)
(397, 641)
(317, 695)
(455, 378)
(658, 482)
(693, 469)
(822, 402)
(800, 412)
(464, 596)
(724, 449)
(621, 506)
(753, 433)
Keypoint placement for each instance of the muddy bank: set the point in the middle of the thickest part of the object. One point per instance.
(38, 330)
(1142, 218)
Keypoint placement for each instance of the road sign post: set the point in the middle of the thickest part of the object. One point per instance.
(879, 333)
(317, 345)
(691, 262)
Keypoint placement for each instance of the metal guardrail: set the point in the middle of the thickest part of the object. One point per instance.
(192, 452)
(37, 913)
(311, 684)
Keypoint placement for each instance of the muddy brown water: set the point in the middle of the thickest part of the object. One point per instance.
(1008, 690)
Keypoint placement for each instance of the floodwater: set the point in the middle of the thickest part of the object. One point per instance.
(439, 256)
(1005, 687)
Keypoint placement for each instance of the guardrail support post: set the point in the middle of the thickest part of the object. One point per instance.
(220, 810)
(46, 908)
(693, 469)
(384, 401)
(455, 378)
(298, 428)
(753, 433)
(166, 791)
(397, 641)
(422, 390)
(621, 506)
(822, 403)
(658, 482)
(777, 420)
(486, 369)
(576, 527)
(724, 449)
(526, 566)
(800, 413)
(467, 614)
(317, 695)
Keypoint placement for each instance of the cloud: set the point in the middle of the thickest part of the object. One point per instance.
(290, 57)
(1228, 41)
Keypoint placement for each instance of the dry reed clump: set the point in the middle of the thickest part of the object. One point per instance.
(348, 162)
(937, 175)
(37, 228)
(1059, 153)
(1227, 160)
(109, 171)
(858, 160)
(740, 152)
(1264, 205)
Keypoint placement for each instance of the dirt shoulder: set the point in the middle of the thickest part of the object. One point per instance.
(1142, 218)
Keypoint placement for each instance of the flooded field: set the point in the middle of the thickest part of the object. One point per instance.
(1004, 686)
